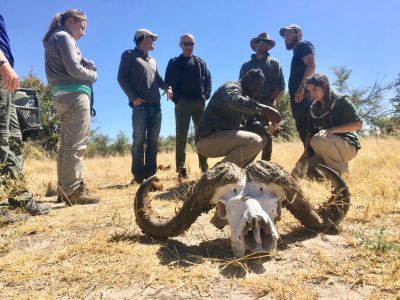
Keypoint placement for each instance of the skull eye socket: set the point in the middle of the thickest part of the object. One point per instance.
(261, 189)
(235, 191)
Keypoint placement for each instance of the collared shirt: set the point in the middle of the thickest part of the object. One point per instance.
(273, 74)
(138, 76)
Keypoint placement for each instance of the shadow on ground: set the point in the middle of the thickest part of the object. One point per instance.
(174, 252)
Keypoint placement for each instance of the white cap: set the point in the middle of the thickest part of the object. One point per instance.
(141, 32)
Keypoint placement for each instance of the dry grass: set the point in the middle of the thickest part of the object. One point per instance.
(98, 251)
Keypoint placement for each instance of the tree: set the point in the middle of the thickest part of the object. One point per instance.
(289, 127)
(49, 118)
(121, 144)
(370, 102)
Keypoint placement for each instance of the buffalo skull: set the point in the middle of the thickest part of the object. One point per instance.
(250, 201)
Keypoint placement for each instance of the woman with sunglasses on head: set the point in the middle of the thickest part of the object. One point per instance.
(71, 76)
(331, 131)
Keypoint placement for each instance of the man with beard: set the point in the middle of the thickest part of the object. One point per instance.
(139, 78)
(274, 82)
(302, 67)
(228, 127)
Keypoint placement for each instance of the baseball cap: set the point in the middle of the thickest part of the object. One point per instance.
(294, 27)
(143, 31)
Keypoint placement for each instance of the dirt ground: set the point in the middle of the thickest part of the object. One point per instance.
(98, 252)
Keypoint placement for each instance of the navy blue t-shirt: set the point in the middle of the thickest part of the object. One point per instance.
(5, 42)
(298, 67)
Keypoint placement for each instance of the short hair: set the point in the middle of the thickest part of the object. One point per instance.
(139, 40)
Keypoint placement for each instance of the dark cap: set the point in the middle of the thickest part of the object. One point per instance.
(294, 27)
(254, 74)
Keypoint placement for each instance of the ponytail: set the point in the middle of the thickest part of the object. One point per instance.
(59, 19)
(53, 25)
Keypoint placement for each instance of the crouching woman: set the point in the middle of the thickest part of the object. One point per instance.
(331, 131)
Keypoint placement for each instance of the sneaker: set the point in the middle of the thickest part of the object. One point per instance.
(34, 208)
(7, 218)
(81, 197)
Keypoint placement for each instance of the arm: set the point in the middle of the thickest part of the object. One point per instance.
(169, 73)
(242, 71)
(279, 85)
(10, 78)
(71, 60)
(352, 126)
(310, 62)
(162, 85)
(234, 100)
(207, 83)
(123, 77)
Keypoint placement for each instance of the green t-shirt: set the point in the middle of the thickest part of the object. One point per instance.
(342, 111)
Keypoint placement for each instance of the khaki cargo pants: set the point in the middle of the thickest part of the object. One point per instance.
(334, 150)
(238, 146)
(74, 112)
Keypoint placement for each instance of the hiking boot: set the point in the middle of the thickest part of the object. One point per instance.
(33, 208)
(7, 218)
(26, 202)
(81, 197)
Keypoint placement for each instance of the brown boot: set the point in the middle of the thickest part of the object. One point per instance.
(81, 197)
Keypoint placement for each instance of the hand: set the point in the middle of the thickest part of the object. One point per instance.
(138, 101)
(169, 93)
(9, 77)
(89, 64)
(324, 132)
(274, 128)
(299, 95)
(272, 114)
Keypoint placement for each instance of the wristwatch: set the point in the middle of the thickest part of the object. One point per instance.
(2, 62)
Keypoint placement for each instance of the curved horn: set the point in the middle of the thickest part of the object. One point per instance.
(292, 197)
(198, 202)
(335, 209)
(328, 215)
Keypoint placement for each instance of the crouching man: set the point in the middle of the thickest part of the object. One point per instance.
(228, 126)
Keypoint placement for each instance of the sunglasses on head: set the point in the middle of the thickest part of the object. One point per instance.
(187, 44)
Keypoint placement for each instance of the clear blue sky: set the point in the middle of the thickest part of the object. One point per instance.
(361, 34)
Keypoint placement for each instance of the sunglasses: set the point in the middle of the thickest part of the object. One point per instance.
(262, 42)
(187, 44)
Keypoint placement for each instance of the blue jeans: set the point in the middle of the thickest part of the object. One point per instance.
(146, 125)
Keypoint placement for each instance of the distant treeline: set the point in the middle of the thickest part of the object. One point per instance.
(380, 114)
